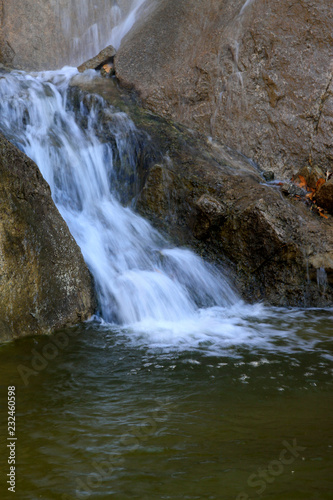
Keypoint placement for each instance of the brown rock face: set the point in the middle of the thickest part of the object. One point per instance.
(44, 281)
(256, 75)
(275, 246)
(30, 35)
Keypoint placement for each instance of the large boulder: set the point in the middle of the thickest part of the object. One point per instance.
(44, 281)
(210, 198)
(254, 74)
(31, 37)
(277, 247)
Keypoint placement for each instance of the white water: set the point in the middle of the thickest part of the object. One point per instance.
(124, 26)
(137, 275)
(159, 294)
(90, 26)
(245, 6)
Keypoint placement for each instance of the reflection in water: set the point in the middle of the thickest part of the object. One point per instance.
(114, 417)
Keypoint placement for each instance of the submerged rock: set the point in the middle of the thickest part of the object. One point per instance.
(44, 281)
(212, 199)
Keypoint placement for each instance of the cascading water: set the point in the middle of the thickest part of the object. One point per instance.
(179, 389)
(138, 277)
(123, 27)
(90, 26)
(167, 295)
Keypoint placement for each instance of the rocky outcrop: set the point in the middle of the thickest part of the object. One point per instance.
(30, 35)
(253, 74)
(276, 246)
(210, 198)
(44, 281)
(324, 196)
(105, 56)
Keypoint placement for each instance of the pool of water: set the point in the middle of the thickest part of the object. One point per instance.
(103, 412)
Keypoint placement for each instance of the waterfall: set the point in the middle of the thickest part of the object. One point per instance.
(89, 26)
(245, 6)
(148, 291)
(140, 278)
(123, 26)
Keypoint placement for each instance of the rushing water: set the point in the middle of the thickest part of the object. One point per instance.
(140, 280)
(143, 283)
(178, 389)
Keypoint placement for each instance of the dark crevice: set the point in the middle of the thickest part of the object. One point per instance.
(322, 102)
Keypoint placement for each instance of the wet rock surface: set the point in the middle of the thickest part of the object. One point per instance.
(212, 199)
(44, 281)
(255, 75)
(104, 57)
(37, 35)
(324, 196)
(30, 35)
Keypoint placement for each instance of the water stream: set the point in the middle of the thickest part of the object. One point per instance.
(90, 26)
(139, 277)
(168, 294)
(177, 389)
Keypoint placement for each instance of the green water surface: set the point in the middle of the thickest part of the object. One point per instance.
(100, 417)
